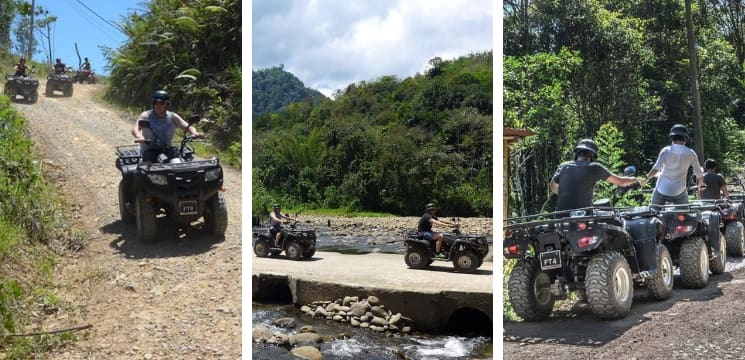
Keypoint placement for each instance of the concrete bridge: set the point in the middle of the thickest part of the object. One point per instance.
(438, 299)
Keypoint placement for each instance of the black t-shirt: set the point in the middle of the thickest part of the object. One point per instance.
(714, 183)
(577, 181)
(59, 68)
(424, 224)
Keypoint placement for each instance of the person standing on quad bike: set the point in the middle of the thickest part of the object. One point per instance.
(275, 220)
(21, 68)
(672, 167)
(424, 227)
(580, 176)
(163, 124)
(59, 67)
(714, 182)
(86, 65)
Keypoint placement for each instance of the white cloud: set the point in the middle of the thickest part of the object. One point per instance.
(329, 44)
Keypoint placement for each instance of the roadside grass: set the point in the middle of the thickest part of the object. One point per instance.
(34, 233)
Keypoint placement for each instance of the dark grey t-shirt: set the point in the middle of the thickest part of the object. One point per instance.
(577, 181)
(714, 183)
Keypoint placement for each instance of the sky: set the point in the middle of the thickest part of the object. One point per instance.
(329, 44)
(75, 23)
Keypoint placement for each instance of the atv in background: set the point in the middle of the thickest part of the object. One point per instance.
(24, 86)
(184, 189)
(466, 251)
(297, 241)
(87, 76)
(733, 216)
(59, 82)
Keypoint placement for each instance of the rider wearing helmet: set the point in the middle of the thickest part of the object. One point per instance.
(86, 65)
(424, 227)
(21, 68)
(59, 67)
(580, 176)
(275, 220)
(163, 124)
(672, 167)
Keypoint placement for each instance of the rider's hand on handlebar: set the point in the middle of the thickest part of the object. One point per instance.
(140, 140)
(644, 182)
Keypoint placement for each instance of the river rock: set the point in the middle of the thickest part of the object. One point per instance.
(393, 327)
(379, 311)
(307, 353)
(365, 318)
(364, 324)
(354, 322)
(355, 299)
(373, 300)
(377, 328)
(378, 321)
(308, 329)
(394, 318)
(331, 307)
(287, 323)
(358, 309)
(406, 330)
(304, 338)
(320, 312)
(261, 333)
(279, 339)
(347, 300)
(343, 308)
(306, 309)
(337, 318)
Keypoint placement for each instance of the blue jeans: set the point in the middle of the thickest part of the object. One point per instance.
(427, 235)
(151, 154)
(662, 199)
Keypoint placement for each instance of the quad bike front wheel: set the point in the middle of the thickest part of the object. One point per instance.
(294, 251)
(661, 285)
(529, 291)
(124, 210)
(609, 285)
(261, 248)
(694, 263)
(416, 257)
(718, 262)
(309, 252)
(216, 215)
(68, 91)
(466, 261)
(145, 214)
(735, 236)
(48, 91)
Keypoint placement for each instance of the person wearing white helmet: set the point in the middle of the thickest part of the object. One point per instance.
(672, 167)
(575, 181)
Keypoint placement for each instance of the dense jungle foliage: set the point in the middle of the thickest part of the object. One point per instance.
(192, 49)
(273, 88)
(617, 72)
(388, 145)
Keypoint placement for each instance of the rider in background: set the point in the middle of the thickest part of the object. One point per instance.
(672, 167)
(163, 124)
(424, 227)
(21, 68)
(275, 220)
(574, 181)
(714, 182)
(86, 65)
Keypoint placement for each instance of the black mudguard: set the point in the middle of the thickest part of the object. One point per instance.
(643, 233)
(713, 233)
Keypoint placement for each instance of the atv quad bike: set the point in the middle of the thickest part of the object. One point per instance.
(184, 188)
(82, 75)
(298, 242)
(24, 86)
(466, 251)
(59, 82)
(733, 216)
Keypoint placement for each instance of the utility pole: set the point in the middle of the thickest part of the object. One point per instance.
(699, 136)
(31, 33)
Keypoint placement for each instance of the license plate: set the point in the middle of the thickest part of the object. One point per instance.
(550, 260)
(188, 207)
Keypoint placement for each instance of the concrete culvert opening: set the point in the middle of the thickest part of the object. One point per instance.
(469, 322)
(271, 290)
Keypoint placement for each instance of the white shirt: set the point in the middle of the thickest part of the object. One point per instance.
(672, 164)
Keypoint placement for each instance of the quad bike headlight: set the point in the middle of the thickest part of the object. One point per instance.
(158, 179)
(212, 174)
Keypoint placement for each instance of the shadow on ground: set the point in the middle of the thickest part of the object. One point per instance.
(579, 326)
(171, 240)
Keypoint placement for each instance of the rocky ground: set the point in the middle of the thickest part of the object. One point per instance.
(179, 298)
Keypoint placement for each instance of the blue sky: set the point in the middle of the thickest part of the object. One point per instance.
(329, 44)
(77, 24)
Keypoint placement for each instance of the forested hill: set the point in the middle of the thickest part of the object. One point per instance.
(388, 145)
(274, 88)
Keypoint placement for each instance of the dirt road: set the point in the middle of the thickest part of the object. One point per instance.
(178, 298)
(707, 323)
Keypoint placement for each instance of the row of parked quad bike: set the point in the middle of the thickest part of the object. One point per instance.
(298, 241)
(601, 253)
(27, 87)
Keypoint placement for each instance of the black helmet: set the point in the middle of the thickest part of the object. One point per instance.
(22, 60)
(86, 59)
(586, 144)
(160, 95)
(58, 60)
(679, 130)
(430, 206)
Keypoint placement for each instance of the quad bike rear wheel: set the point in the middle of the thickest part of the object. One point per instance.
(145, 214)
(661, 285)
(718, 262)
(735, 235)
(124, 210)
(609, 285)
(529, 291)
(466, 261)
(294, 251)
(216, 215)
(694, 263)
(416, 257)
(261, 248)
